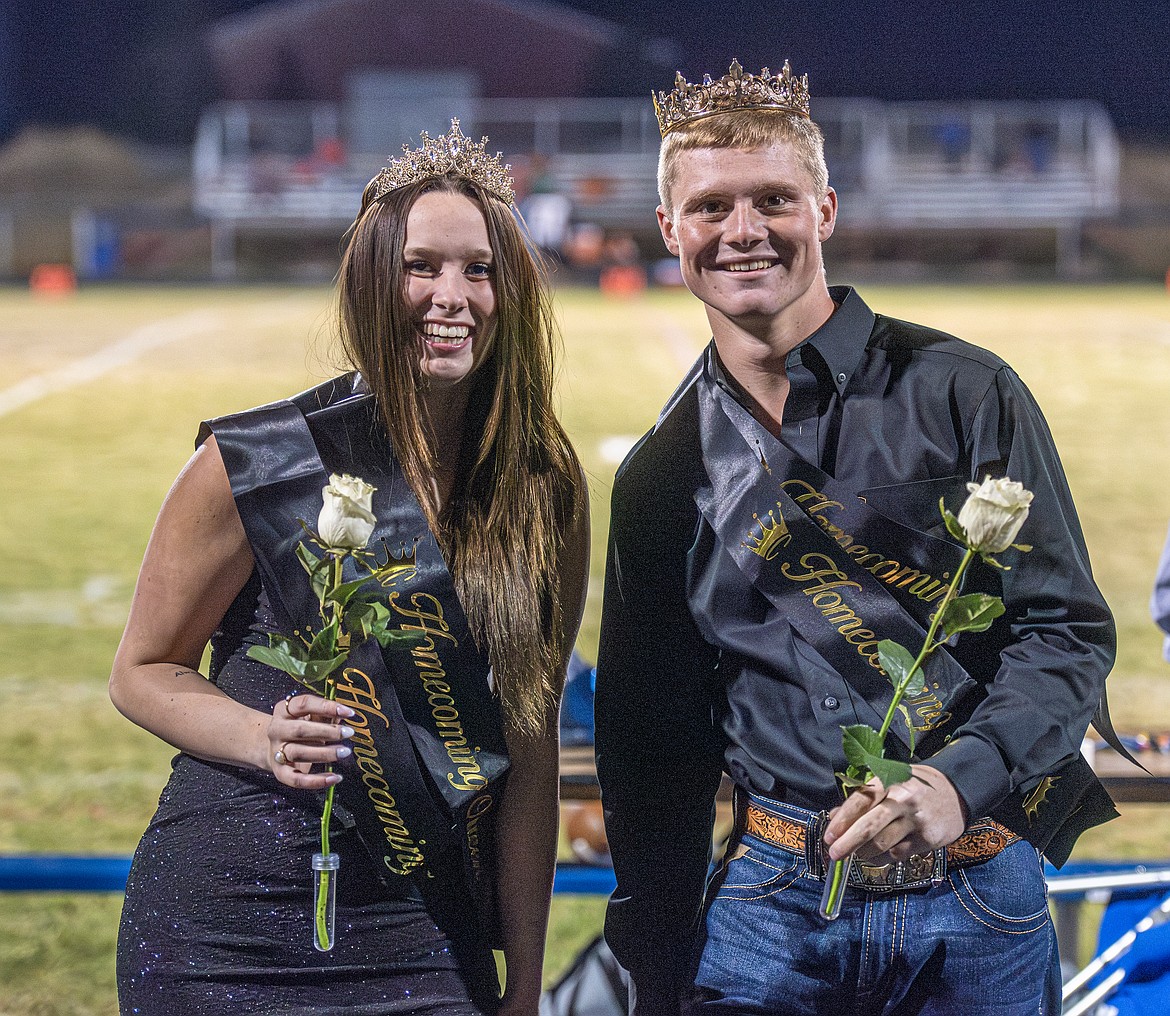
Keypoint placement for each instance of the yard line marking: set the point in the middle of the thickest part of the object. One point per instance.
(101, 600)
(117, 354)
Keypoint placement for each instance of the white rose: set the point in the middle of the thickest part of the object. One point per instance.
(345, 522)
(993, 514)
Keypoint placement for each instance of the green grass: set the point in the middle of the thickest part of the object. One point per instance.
(83, 471)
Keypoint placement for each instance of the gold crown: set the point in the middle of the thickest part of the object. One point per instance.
(387, 568)
(452, 152)
(770, 538)
(735, 90)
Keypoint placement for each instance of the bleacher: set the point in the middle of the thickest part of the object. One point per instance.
(1035, 165)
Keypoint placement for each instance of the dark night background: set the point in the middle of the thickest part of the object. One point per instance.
(138, 66)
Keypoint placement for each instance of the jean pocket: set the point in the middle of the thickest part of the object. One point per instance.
(754, 875)
(1007, 893)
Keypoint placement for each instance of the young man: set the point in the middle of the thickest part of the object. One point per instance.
(779, 520)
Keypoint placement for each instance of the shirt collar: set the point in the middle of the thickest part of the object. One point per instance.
(842, 339)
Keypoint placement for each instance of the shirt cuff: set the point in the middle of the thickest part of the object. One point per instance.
(977, 772)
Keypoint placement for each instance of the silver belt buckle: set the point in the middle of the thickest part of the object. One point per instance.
(916, 872)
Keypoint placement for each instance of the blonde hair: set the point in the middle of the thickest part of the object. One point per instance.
(518, 482)
(747, 129)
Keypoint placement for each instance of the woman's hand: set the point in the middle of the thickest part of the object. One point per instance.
(306, 730)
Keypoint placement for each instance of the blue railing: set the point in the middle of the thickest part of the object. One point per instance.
(59, 873)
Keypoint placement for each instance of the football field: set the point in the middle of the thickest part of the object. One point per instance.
(101, 393)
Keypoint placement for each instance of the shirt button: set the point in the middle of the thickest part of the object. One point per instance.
(840, 379)
(831, 702)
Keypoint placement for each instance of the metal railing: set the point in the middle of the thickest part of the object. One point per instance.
(44, 873)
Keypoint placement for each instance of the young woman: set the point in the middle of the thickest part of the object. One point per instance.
(444, 314)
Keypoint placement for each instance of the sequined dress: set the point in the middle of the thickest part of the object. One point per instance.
(217, 916)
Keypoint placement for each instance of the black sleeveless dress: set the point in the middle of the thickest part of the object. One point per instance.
(218, 910)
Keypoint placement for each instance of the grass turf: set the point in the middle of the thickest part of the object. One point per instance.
(129, 372)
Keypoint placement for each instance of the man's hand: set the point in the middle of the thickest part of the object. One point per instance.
(914, 817)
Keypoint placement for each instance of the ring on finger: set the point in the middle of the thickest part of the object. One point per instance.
(279, 757)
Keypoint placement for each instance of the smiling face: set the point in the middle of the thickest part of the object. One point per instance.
(449, 274)
(747, 226)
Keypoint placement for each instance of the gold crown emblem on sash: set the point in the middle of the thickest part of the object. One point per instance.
(1038, 796)
(389, 568)
(687, 102)
(452, 152)
(773, 534)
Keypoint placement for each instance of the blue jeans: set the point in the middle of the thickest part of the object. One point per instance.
(979, 943)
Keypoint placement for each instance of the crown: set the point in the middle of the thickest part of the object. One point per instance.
(735, 90)
(452, 152)
(389, 568)
(770, 538)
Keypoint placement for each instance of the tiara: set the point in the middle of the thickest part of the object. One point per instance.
(452, 152)
(735, 90)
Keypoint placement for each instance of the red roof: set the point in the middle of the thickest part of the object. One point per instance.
(515, 48)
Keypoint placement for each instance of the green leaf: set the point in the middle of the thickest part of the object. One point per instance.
(309, 561)
(952, 523)
(862, 744)
(864, 749)
(279, 660)
(318, 569)
(852, 778)
(317, 670)
(343, 592)
(294, 647)
(359, 619)
(849, 783)
(366, 617)
(324, 644)
(387, 637)
(973, 612)
(891, 771)
(896, 661)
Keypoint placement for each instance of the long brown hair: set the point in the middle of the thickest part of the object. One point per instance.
(518, 482)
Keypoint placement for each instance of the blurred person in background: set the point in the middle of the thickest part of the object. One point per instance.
(444, 314)
(546, 209)
(1160, 601)
(760, 546)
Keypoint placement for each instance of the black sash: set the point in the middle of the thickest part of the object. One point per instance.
(847, 577)
(429, 756)
(811, 547)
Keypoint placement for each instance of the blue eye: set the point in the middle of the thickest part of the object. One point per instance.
(479, 269)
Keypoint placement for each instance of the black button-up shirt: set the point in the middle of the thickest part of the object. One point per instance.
(698, 674)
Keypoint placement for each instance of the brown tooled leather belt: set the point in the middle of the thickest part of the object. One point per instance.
(983, 839)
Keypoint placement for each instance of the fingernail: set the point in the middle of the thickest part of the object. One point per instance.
(344, 711)
(345, 731)
(344, 751)
(333, 778)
